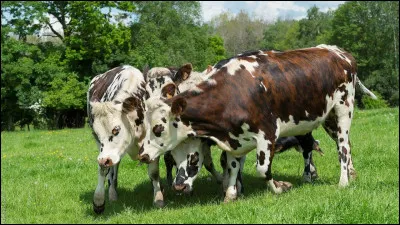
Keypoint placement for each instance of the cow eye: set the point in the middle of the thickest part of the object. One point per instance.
(116, 130)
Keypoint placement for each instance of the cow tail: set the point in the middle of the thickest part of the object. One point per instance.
(365, 90)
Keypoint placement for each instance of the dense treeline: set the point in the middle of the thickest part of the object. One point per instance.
(44, 75)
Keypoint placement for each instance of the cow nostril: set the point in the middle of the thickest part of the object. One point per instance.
(145, 158)
(108, 161)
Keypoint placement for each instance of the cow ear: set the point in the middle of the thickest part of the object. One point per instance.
(168, 91)
(183, 73)
(178, 106)
(130, 104)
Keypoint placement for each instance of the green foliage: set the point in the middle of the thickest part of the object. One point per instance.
(282, 35)
(370, 103)
(370, 31)
(18, 91)
(313, 29)
(240, 32)
(93, 39)
(65, 92)
(90, 44)
(170, 34)
(293, 34)
(216, 50)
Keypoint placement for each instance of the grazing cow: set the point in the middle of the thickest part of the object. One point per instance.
(117, 128)
(252, 99)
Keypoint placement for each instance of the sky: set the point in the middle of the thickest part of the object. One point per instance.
(267, 10)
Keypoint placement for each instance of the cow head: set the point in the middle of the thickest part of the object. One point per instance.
(164, 128)
(114, 126)
(189, 159)
(308, 142)
(162, 85)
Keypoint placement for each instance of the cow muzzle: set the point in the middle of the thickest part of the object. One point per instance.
(105, 162)
(185, 188)
(144, 158)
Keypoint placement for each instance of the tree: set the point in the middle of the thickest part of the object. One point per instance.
(66, 94)
(171, 34)
(314, 26)
(370, 31)
(282, 35)
(90, 41)
(240, 33)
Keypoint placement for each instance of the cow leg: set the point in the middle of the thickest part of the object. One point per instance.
(169, 164)
(98, 199)
(265, 155)
(225, 177)
(239, 182)
(352, 171)
(154, 174)
(310, 171)
(113, 182)
(230, 178)
(337, 126)
(208, 163)
(313, 169)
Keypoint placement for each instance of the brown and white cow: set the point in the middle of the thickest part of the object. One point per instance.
(188, 156)
(252, 99)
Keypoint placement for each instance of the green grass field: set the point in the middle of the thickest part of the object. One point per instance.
(50, 177)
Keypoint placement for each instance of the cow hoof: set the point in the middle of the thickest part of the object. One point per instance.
(285, 185)
(159, 204)
(307, 178)
(343, 183)
(112, 195)
(279, 187)
(310, 177)
(314, 175)
(229, 199)
(99, 209)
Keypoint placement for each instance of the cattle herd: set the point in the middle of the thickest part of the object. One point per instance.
(269, 101)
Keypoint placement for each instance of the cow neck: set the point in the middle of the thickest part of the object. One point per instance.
(196, 111)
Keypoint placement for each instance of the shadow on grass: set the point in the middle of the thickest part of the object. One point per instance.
(205, 191)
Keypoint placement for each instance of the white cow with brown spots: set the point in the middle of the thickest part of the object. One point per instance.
(116, 111)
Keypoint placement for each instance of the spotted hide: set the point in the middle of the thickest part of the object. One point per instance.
(252, 99)
(189, 156)
(116, 113)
